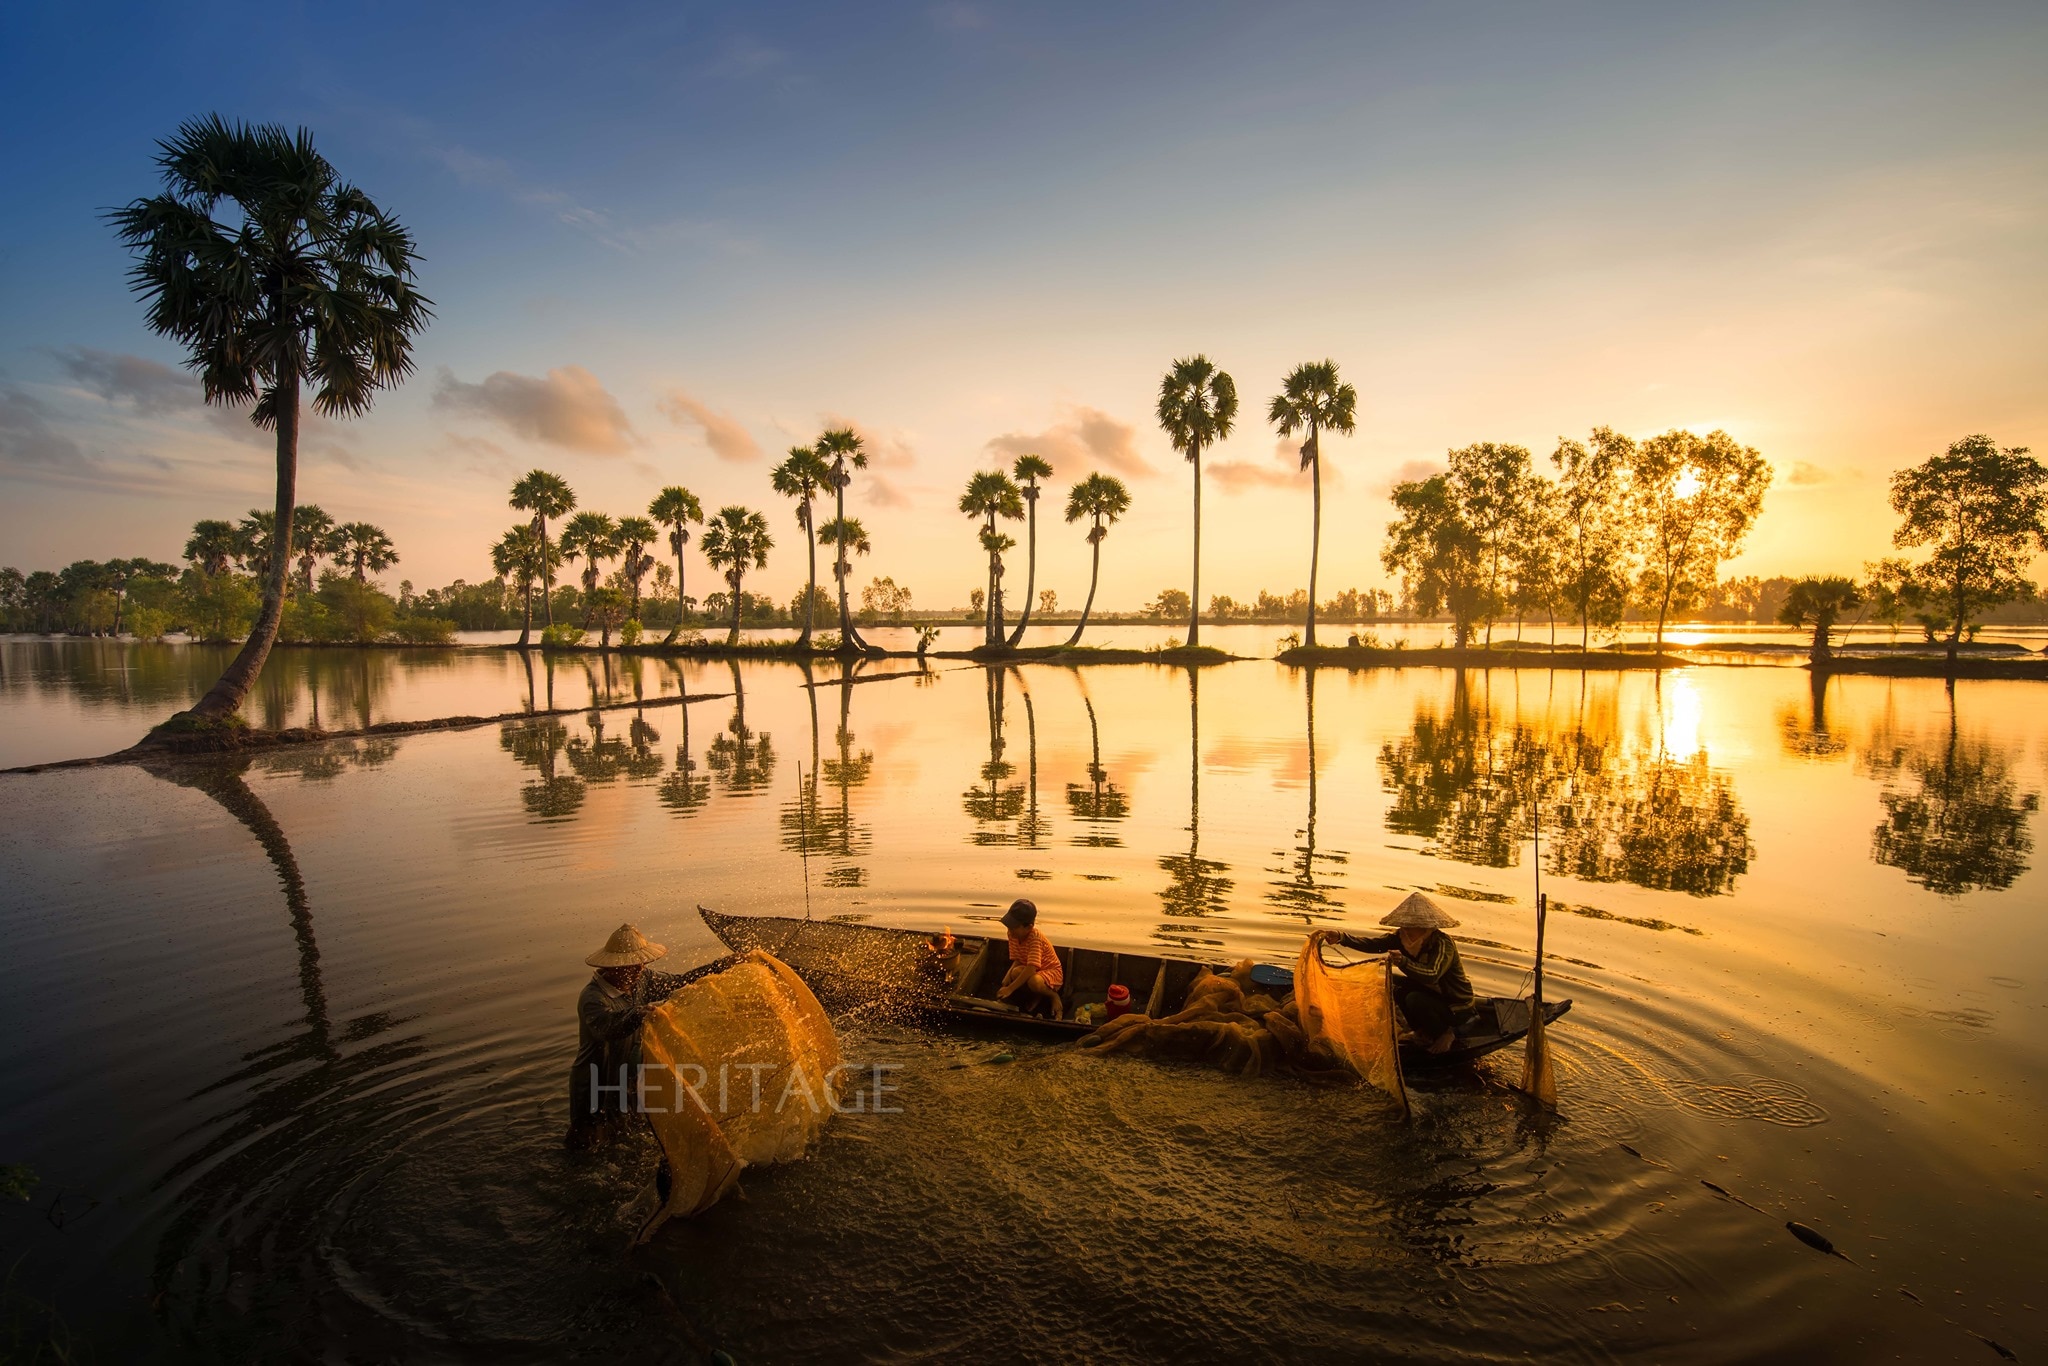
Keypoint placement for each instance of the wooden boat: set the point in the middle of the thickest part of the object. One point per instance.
(897, 970)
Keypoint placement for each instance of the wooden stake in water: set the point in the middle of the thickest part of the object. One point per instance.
(803, 837)
(1537, 1078)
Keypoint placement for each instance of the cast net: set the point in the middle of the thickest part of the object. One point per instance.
(739, 1072)
(1349, 1009)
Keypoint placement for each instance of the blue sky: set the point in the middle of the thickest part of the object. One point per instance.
(667, 242)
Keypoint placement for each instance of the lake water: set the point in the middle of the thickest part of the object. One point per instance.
(285, 1039)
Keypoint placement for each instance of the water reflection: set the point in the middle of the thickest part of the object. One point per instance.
(1301, 892)
(998, 801)
(538, 744)
(1195, 886)
(1099, 803)
(811, 828)
(1617, 807)
(742, 762)
(1955, 817)
(684, 791)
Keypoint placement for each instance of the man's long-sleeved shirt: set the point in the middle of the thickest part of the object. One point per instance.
(1435, 967)
(608, 1036)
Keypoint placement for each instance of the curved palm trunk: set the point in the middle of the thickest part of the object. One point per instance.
(1030, 574)
(225, 697)
(1094, 575)
(1195, 584)
(803, 640)
(1315, 537)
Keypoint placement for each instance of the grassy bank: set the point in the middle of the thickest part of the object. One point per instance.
(1439, 657)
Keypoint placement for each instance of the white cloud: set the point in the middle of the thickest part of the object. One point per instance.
(568, 408)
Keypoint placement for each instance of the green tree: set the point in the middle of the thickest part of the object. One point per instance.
(800, 476)
(592, 537)
(1892, 592)
(841, 447)
(1028, 470)
(1493, 485)
(365, 549)
(312, 538)
(635, 535)
(218, 607)
(604, 608)
(544, 495)
(357, 611)
(1596, 537)
(1438, 554)
(521, 556)
(1817, 602)
(990, 495)
(1985, 513)
(1695, 499)
(1313, 400)
(211, 546)
(1102, 499)
(676, 507)
(736, 538)
(307, 279)
(1197, 405)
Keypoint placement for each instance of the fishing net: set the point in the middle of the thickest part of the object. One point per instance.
(740, 1073)
(1350, 1011)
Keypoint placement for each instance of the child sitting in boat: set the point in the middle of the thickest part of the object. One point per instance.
(1035, 974)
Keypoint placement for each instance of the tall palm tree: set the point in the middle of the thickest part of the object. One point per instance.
(734, 538)
(800, 476)
(635, 535)
(544, 495)
(365, 549)
(593, 537)
(1197, 405)
(520, 555)
(841, 447)
(990, 495)
(848, 538)
(211, 546)
(312, 537)
(1314, 400)
(676, 507)
(1102, 498)
(307, 279)
(1028, 470)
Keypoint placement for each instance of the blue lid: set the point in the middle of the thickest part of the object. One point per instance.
(1266, 975)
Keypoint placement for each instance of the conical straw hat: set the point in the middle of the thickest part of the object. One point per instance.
(626, 947)
(1418, 912)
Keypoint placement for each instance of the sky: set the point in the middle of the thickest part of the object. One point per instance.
(667, 242)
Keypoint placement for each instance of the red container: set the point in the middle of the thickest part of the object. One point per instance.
(1119, 1000)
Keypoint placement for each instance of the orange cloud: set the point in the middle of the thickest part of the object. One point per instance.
(568, 408)
(722, 432)
(1087, 437)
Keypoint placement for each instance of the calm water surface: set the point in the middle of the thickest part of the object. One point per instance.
(285, 1039)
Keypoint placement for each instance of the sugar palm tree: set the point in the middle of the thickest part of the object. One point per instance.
(1314, 400)
(841, 447)
(800, 476)
(848, 538)
(545, 495)
(635, 535)
(594, 538)
(1028, 470)
(307, 280)
(211, 546)
(364, 548)
(1102, 498)
(991, 494)
(312, 537)
(520, 555)
(732, 540)
(1197, 405)
(676, 507)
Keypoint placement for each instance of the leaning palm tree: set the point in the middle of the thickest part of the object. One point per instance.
(307, 280)
(365, 549)
(520, 556)
(1028, 470)
(592, 537)
(848, 538)
(1197, 404)
(545, 495)
(676, 507)
(1312, 399)
(841, 447)
(1102, 498)
(732, 540)
(800, 476)
(635, 535)
(990, 494)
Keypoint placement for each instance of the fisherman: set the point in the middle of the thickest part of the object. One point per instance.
(608, 1016)
(1035, 974)
(1433, 991)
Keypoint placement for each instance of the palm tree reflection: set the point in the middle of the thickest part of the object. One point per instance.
(537, 745)
(1809, 736)
(1195, 885)
(808, 827)
(1955, 818)
(742, 763)
(998, 801)
(1101, 801)
(1301, 893)
(683, 791)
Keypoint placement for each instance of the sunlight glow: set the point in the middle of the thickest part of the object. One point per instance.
(1681, 716)
(1688, 483)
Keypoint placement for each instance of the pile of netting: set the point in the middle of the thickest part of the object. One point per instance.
(741, 1070)
(1337, 1022)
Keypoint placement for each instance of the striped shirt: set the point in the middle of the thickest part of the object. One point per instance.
(1029, 948)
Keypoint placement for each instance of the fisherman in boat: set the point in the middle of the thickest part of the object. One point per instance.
(1035, 975)
(1433, 991)
(608, 1015)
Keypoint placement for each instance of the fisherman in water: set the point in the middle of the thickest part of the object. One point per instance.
(608, 1016)
(1433, 991)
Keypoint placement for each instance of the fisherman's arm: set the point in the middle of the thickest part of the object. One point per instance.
(608, 1020)
(1365, 943)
